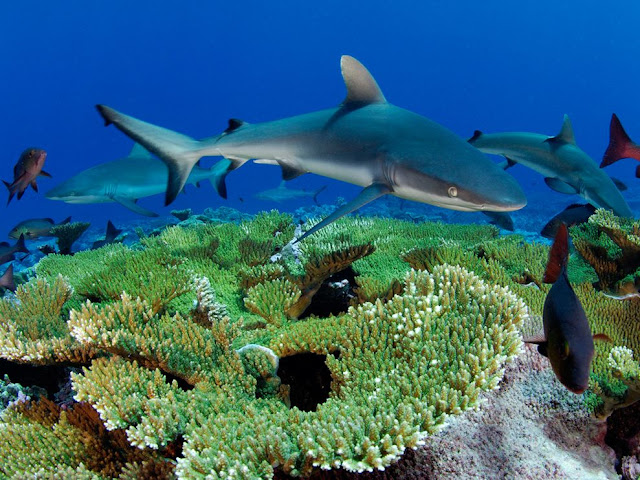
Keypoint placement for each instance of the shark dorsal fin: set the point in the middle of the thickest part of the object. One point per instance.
(138, 151)
(234, 124)
(362, 88)
(566, 133)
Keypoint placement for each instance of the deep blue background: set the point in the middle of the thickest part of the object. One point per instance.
(189, 66)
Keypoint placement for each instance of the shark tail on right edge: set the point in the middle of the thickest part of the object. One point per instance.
(179, 152)
(620, 145)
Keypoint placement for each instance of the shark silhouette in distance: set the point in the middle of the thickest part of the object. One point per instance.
(365, 141)
(566, 168)
(282, 194)
(126, 180)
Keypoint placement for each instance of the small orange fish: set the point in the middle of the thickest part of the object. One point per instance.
(29, 166)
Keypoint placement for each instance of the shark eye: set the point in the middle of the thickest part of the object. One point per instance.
(453, 192)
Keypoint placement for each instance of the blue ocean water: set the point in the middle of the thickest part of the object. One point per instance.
(189, 66)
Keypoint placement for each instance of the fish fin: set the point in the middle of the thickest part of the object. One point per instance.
(362, 88)
(34, 185)
(543, 349)
(138, 151)
(65, 221)
(565, 135)
(368, 194)
(476, 135)
(620, 144)
(44, 174)
(11, 191)
(6, 280)
(602, 337)
(508, 163)
(638, 171)
(219, 174)
(560, 186)
(178, 151)
(558, 255)
(234, 124)
(20, 246)
(131, 205)
(112, 232)
(318, 192)
(619, 184)
(289, 172)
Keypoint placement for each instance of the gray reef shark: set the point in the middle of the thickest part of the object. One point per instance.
(127, 179)
(282, 194)
(566, 168)
(365, 141)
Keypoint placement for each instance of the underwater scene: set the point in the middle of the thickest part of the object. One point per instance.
(333, 240)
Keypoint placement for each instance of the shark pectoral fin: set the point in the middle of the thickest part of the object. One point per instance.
(560, 186)
(362, 88)
(265, 161)
(219, 174)
(131, 205)
(368, 194)
(620, 185)
(290, 172)
(508, 163)
(565, 135)
(476, 135)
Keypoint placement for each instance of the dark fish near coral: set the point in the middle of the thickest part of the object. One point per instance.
(501, 219)
(6, 280)
(282, 194)
(35, 227)
(567, 339)
(574, 214)
(365, 141)
(620, 145)
(29, 166)
(7, 252)
(109, 236)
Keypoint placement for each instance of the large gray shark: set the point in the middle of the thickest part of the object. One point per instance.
(127, 179)
(566, 167)
(365, 141)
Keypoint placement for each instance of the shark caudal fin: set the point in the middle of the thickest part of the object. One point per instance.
(318, 192)
(6, 280)
(178, 151)
(620, 144)
(558, 255)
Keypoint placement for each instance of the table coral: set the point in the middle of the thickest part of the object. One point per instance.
(181, 337)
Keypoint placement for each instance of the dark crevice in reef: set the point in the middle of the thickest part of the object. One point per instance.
(49, 377)
(182, 384)
(623, 432)
(309, 378)
(334, 295)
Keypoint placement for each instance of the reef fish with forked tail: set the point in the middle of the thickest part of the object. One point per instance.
(26, 171)
(365, 141)
(127, 179)
(566, 167)
(567, 340)
(7, 252)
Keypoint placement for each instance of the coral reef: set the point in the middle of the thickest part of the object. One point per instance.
(188, 342)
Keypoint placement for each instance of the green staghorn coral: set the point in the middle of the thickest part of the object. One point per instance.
(190, 349)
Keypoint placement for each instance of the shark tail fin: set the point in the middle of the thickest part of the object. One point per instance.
(620, 144)
(558, 255)
(318, 192)
(6, 280)
(112, 232)
(178, 151)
